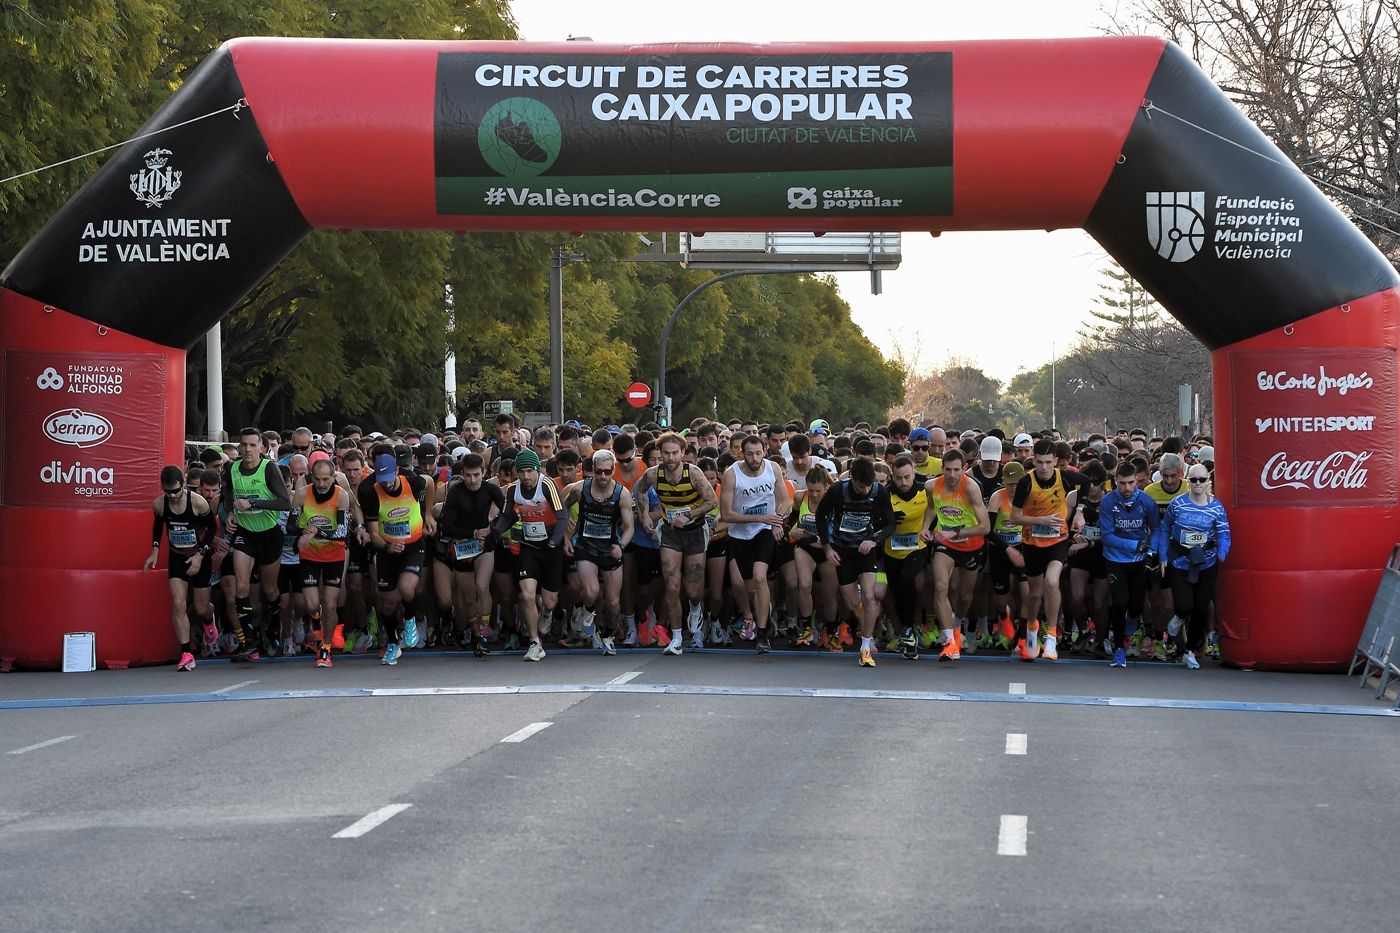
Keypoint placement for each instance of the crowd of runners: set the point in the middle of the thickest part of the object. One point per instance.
(895, 539)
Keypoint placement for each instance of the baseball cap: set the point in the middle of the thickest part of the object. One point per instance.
(527, 459)
(386, 467)
(614, 430)
(991, 449)
(428, 439)
(819, 426)
(966, 434)
(818, 429)
(316, 457)
(919, 434)
(571, 423)
(1023, 440)
(1011, 473)
(1206, 453)
(458, 452)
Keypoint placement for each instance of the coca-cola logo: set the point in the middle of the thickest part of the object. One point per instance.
(1342, 469)
(78, 428)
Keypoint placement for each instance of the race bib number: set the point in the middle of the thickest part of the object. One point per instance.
(854, 524)
(182, 540)
(1092, 533)
(598, 530)
(710, 519)
(673, 514)
(907, 542)
(1009, 537)
(759, 509)
(1045, 531)
(808, 522)
(1190, 537)
(466, 548)
(535, 531)
(394, 530)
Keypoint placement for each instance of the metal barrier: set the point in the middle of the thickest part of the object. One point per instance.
(1379, 646)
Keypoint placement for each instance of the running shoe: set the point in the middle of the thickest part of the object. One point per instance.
(663, 637)
(928, 638)
(482, 648)
(1120, 658)
(843, 632)
(764, 645)
(299, 632)
(1027, 652)
(338, 637)
(697, 638)
(804, 637)
(644, 633)
(410, 632)
(833, 642)
(323, 659)
(717, 633)
(952, 650)
(247, 652)
(748, 631)
(364, 644)
(289, 650)
(1189, 659)
(587, 622)
(1048, 652)
(186, 662)
(969, 643)
(909, 645)
(1213, 646)
(595, 640)
(1163, 651)
(609, 649)
(546, 623)
(211, 636)
(392, 652)
(513, 642)
(672, 647)
(1108, 648)
(535, 652)
(865, 659)
(694, 619)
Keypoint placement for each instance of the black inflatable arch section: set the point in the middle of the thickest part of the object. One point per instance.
(1124, 137)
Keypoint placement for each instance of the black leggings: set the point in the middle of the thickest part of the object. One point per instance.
(1127, 591)
(901, 574)
(1192, 602)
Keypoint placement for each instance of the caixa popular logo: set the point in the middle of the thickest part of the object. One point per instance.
(78, 428)
(1176, 223)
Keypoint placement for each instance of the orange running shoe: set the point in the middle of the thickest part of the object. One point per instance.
(1006, 626)
(644, 635)
(865, 659)
(843, 631)
(953, 650)
(338, 639)
(663, 637)
(833, 643)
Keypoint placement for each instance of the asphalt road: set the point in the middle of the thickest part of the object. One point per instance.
(718, 792)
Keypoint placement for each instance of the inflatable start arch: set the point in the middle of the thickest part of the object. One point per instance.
(1122, 136)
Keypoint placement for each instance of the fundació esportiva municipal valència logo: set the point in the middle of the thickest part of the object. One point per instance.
(519, 136)
(1176, 223)
(157, 182)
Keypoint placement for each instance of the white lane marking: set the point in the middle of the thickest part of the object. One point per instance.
(1015, 743)
(523, 734)
(624, 678)
(1011, 839)
(39, 745)
(1016, 689)
(232, 687)
(363, 825)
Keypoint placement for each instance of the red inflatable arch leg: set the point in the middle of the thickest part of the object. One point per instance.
(1307, 417)
(112, 405)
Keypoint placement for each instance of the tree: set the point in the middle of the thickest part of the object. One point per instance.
(1321, 78)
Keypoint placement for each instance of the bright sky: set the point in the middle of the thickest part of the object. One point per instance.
(1053, 276)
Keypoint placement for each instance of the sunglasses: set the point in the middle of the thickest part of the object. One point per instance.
(918, 447)
(603, 472)
(171, 492)
(1199, 479)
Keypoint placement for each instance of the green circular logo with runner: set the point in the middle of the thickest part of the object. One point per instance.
(519, 136)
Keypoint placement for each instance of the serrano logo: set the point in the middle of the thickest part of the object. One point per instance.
(1176, 223)
(77, 427)
(1342, 469)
